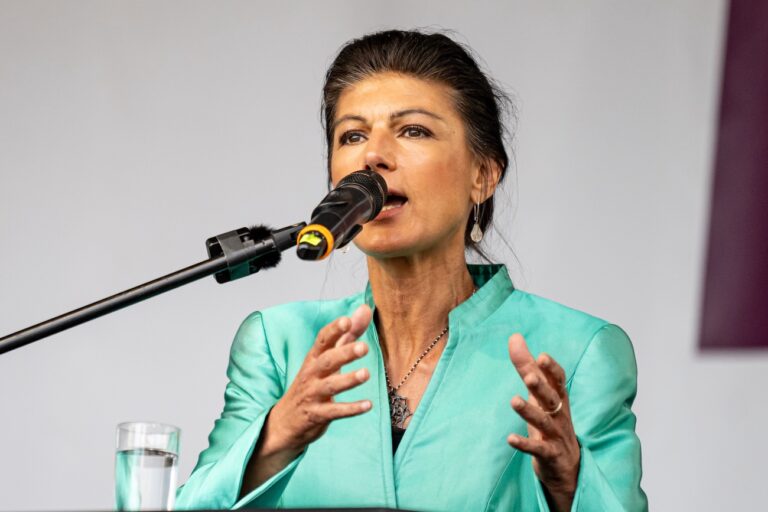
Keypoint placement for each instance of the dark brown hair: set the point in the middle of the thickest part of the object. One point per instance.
(433, 57)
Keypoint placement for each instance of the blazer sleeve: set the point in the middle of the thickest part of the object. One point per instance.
(255, 385)
(601, 391)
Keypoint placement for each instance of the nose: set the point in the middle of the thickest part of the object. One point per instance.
(377, 162)
(379, 155)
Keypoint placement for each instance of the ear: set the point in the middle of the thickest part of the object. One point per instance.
(485, 178)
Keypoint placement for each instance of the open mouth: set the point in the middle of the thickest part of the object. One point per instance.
(394, 201)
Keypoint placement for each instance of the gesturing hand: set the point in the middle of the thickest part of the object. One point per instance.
(302, 415)
(551, 438)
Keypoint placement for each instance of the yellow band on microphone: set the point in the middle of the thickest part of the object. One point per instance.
(308, 236)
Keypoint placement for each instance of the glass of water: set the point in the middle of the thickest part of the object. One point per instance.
(146, 466)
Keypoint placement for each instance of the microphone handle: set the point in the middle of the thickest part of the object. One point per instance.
(335, 222)
(353, 207)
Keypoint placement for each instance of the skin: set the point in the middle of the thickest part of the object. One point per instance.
(409, 131)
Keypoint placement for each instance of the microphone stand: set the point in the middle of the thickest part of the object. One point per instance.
(233, 255)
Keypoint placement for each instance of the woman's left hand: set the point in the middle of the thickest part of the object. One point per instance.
(551, 438)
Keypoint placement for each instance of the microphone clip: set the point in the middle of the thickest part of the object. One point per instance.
(248, 250)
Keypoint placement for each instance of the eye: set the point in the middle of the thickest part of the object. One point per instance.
(415, 131)
(350, 137)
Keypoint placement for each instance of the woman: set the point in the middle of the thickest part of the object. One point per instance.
(400, 396)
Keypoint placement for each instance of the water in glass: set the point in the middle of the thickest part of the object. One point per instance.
(146, 479)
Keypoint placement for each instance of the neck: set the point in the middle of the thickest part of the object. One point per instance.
(413, 296)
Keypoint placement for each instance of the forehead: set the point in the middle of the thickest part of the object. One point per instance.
(384, 93)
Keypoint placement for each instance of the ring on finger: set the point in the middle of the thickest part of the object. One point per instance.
(555, 410)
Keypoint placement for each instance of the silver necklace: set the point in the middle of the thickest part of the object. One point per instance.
(398, 404)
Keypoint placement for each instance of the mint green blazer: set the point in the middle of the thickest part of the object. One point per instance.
(454, 455)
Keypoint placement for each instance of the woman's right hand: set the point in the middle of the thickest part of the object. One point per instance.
(302, 415)
(306, 409)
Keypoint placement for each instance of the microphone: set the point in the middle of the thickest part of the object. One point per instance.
(357, 199)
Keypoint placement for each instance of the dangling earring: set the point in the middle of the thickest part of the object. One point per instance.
(476, 234)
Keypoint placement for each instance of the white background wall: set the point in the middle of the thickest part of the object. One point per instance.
(132, 131)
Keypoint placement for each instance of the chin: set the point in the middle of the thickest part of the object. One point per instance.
(383, 247)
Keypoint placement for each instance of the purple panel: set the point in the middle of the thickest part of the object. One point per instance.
(735, 308)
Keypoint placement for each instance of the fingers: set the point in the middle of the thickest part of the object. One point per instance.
(335, 345)
(535, 447)
(360, 319)
(553, 372)
(334, 410)
(343, 330)
(540, 388)
(551, 436)
(520, 355)
(335, 384)
(332, 360)
(329, 335)
(358, 324)
(534, 377)
(302, 414)
(535, 417)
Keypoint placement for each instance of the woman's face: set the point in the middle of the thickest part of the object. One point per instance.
(408, 130)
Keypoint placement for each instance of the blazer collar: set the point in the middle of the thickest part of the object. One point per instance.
(493, 287)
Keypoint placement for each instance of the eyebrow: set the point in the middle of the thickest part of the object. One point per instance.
(393, 116)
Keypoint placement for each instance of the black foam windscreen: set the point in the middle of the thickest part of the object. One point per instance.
(261, 232)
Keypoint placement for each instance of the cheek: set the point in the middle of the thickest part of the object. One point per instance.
(440, 177)
(441, 199)
(342, 164)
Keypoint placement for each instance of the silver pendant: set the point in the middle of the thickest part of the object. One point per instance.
(398, 409)
(476, 234)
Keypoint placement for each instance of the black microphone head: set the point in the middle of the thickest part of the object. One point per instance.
(371, 182)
